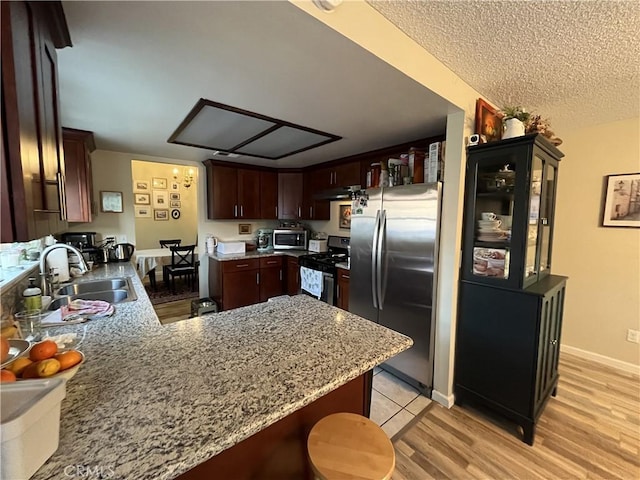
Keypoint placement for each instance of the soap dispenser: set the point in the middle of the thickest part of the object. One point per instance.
(32, 296)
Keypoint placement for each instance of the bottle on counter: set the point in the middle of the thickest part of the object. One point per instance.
(32, 296)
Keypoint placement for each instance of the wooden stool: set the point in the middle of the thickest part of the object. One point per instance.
(349, 446)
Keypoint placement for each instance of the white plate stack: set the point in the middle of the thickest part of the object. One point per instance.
(490, 231)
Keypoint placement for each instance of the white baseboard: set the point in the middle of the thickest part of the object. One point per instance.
(445, 400)
(596, 357)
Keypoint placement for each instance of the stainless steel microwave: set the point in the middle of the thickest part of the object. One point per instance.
(284, 239)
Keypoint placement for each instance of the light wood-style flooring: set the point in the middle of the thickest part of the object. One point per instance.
(173, 311)
(591, 429)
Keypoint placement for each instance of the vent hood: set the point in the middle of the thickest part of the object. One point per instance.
(340, 193)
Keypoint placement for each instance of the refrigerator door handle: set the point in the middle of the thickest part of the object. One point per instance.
(380, 247)
(374, 256)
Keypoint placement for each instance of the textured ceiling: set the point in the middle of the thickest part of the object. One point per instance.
(574, 62)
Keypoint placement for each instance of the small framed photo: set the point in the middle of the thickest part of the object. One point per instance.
(159, 183)
(111, 202)
(143, 212)
(174, 196)
(345, 216)
(160, 199)
(174, 203)
(622, 201)
(162, 214)
(488, 124)
(244, 228)
(142, 198)
(141, 186)
(174, 187)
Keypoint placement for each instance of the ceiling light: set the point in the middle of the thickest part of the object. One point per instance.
(327, 6)
(231, 131)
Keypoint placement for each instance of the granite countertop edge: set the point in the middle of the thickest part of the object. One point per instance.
(223, 257)
(319, 348)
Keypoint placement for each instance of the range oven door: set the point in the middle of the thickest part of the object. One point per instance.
(328, 289)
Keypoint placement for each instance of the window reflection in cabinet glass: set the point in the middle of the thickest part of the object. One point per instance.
(534, 216)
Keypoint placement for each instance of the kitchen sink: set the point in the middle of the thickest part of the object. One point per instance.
(97, 286)
(115, 290)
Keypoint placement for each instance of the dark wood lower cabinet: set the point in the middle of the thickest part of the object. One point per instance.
(279, 451)
(238, 283)
(507, 348)
(342, 292)
(293, 276)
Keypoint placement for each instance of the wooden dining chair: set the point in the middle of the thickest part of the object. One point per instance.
(182, 264)
(170, 243)
(166, 244)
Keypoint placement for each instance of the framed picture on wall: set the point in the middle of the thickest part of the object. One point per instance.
(174, 196)
(141, 186)
(160, 199)
(174, 203)
(142, 198)
(143, 212)
(488, 125)
(162, 214)
(174, 187)
(622, 201)
(345, 216)
(111, 202)
(159, 183)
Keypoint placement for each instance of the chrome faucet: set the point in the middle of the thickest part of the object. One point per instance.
(84, 268)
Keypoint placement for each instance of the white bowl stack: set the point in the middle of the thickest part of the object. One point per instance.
(490, 231)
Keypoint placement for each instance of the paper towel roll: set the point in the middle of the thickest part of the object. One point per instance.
(58, 260)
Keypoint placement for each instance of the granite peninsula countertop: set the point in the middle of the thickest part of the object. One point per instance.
(154, 401)
(257, 254)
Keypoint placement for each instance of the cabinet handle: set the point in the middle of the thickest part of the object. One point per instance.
(299, 212)
(554, 342)
(276, 211)
(241, 211)
(544, 221)
(257, 278)
(235, 211)
(280, 274)
(310, 212)
(345, 276)
(242, 265)
(271, 262)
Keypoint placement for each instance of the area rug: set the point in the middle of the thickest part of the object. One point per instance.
(165, 295)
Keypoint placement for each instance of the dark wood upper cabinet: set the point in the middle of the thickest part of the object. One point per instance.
(31, 131)
(222, 192)
(248, 193)
(290, 199)
(78, 145)
(269, 195)
(347, 174)
(315, 181)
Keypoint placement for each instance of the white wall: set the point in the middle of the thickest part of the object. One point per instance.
(602, 263)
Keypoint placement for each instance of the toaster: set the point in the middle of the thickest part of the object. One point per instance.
(318, 246)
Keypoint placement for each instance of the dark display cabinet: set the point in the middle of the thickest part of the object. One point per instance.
(510, 305)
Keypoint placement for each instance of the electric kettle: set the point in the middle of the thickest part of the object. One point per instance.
(122, 252)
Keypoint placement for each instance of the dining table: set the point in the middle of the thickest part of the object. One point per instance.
(148, 260)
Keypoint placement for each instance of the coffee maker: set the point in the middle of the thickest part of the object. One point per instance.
(264, 238)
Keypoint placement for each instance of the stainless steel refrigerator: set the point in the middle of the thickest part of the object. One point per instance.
(394, 250)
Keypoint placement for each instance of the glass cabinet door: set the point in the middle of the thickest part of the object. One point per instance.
(535, 194)
(546, 217)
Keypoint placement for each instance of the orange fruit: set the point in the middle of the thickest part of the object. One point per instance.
(4, 349)
(43, 350)
(18, 365)
(48, 367)
(68, 359)
(7, 376)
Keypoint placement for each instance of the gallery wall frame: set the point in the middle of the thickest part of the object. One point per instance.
(161, 214)
(141, 186)
(345, 216)
(488, 124)
(621, 203)
(142, 198)
(142, 212)
(159, 182)
(160, 199)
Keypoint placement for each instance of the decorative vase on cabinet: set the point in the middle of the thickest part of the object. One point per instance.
(510, 305)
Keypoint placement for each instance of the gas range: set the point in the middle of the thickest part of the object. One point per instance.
(338, 251)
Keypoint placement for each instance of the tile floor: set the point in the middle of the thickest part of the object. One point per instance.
(394, 403)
